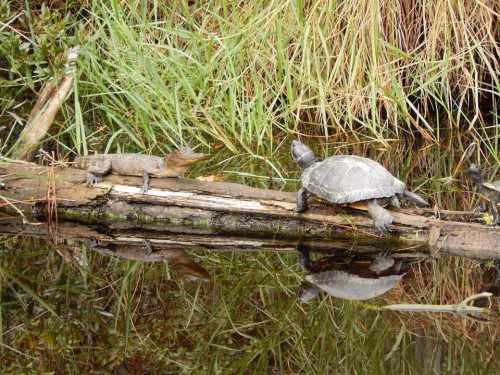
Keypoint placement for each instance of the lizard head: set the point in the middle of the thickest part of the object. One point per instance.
(184, 157)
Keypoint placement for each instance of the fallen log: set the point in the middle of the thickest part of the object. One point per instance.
(182, 206)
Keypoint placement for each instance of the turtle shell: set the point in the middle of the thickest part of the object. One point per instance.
(348, 178)
(346, 285)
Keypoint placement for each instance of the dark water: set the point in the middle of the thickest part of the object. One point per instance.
(82, 307)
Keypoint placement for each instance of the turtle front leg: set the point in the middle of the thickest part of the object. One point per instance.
(96, 171)
(302, 197)
(304, 257)
(381, 217)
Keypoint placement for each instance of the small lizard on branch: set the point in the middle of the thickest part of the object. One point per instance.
(173, 164)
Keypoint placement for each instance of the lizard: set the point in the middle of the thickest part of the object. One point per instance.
(173, 164)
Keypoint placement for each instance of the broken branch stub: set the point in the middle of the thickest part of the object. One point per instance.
(53, 94)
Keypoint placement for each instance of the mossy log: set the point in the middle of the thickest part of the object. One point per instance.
(183, 206)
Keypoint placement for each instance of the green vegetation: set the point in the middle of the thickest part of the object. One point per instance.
(384, 79)
(414, 86)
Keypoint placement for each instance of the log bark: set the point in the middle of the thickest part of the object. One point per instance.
(191, 207)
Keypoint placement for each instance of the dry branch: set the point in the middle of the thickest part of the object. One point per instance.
(180, 206)
(46, 107)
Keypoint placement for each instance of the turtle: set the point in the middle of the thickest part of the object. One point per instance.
(357, 181)
(356, 279)
(489, 189)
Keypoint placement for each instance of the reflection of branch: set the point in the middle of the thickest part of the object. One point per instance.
(46, 107)
(10, 204)
(463, 308)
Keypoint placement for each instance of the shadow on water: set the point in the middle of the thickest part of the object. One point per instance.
(147, 307)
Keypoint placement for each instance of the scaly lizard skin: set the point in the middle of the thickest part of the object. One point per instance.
(172, 165)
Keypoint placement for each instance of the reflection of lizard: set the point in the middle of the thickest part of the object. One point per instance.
(179, 261)
(172, 165)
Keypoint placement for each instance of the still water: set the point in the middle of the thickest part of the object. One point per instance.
(88, 307)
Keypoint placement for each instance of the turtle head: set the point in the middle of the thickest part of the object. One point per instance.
(302, 154)
(307, 292)
(475, 174)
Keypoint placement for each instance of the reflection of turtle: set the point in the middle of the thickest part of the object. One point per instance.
(489, 189)
(353, 280)
(347, 179)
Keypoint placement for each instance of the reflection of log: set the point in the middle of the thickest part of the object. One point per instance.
(129, 243)
(176, 206)
(115, 238)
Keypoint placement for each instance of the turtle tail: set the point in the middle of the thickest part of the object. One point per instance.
(415, 198)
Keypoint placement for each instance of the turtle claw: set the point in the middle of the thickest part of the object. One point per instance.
(92, 179)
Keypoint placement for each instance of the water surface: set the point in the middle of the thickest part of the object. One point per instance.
(73, 308)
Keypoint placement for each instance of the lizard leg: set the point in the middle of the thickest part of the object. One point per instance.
(381, 217)
(145, 185)
(96, 171)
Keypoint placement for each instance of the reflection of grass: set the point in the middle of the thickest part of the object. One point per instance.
(248, 317)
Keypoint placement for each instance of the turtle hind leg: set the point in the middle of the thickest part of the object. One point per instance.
(381, 217)
(395, 202)
(382, 262)
(302, 197)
